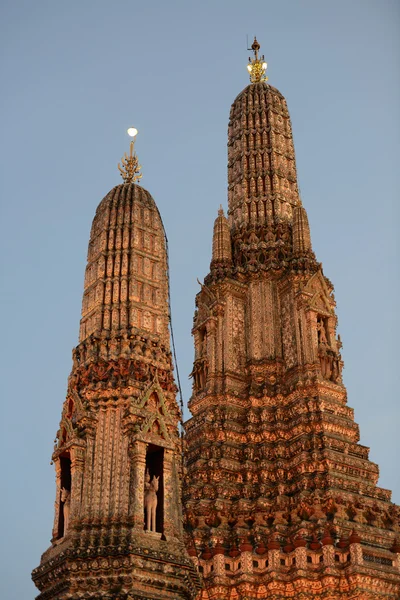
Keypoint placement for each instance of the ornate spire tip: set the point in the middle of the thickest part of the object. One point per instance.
(130, 164)
(257, 66)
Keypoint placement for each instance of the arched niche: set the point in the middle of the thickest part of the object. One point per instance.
(65, 492)
(155, 468)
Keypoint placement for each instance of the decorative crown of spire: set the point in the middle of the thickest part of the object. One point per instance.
(130, 164)
(257, 66)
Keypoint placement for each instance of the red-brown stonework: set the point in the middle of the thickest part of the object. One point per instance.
(281, 500)
(275, 473)
(120, 419)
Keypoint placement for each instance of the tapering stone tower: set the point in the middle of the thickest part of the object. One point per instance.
(118, 526)
(281, 499)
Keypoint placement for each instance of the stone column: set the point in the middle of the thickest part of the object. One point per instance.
(301, 557)
(219, 357)
(330, 333)
(246, 560)
(77, 465)
(219, 565)
(57, 500)
(211, 327)
(171, 499)
(87, 491)
(312, 324)
(328, 552)
(197, 345)
(306, 335)
(356, 556)
(138, 467)
(274, 560)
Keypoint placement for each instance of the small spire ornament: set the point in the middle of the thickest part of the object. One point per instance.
(257, 66)
(130, 164)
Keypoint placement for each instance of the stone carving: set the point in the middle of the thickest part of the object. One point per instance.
(238, 357)
(108, 255)
(66, 506)
(322, 339)
(150, 500)
(119, 372)
(271, 436)
(276, 480)
(287, 333)
(123, 350)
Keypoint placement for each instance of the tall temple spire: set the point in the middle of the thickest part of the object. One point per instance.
(262, 176)
(281, 499)
(118, 526)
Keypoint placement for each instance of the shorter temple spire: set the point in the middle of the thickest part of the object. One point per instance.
(221, 246)
(117, 455)
(301, 231)
(130, 164)
(257, 66)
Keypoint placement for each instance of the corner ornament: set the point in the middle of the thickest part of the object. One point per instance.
(130, 164)
(257, 66)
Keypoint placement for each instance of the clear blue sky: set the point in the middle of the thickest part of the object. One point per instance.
(75, 75)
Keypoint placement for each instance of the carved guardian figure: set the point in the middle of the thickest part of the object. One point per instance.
(150, 502)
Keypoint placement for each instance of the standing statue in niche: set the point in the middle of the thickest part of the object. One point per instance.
(66, 500)
(150, 500)
(322, 332)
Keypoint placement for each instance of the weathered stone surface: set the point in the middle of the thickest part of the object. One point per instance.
(120, 420)
(275, 473)
(280, 498)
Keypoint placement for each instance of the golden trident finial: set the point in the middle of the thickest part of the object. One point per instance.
(257, 66)
(130, 164)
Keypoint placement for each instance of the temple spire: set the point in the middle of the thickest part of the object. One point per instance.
(278, 490)
(262, 178)
(257, 66)
(221, 246)
(117, 453)
(301, 231)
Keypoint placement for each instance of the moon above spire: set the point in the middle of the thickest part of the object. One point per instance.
(130, 169)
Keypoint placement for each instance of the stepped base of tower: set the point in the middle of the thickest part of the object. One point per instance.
(147, 568)
(337, 574)
(281, 500)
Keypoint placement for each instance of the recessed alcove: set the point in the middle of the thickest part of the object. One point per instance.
(65, 482)
(155, 467)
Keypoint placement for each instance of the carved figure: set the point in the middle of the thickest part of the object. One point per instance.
(150, 500)
(66, 500)
(339, 342)
(75, 358)
(335, 370)
(322, 332)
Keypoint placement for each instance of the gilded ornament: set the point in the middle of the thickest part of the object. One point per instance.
(130, 164)
(257, 66)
